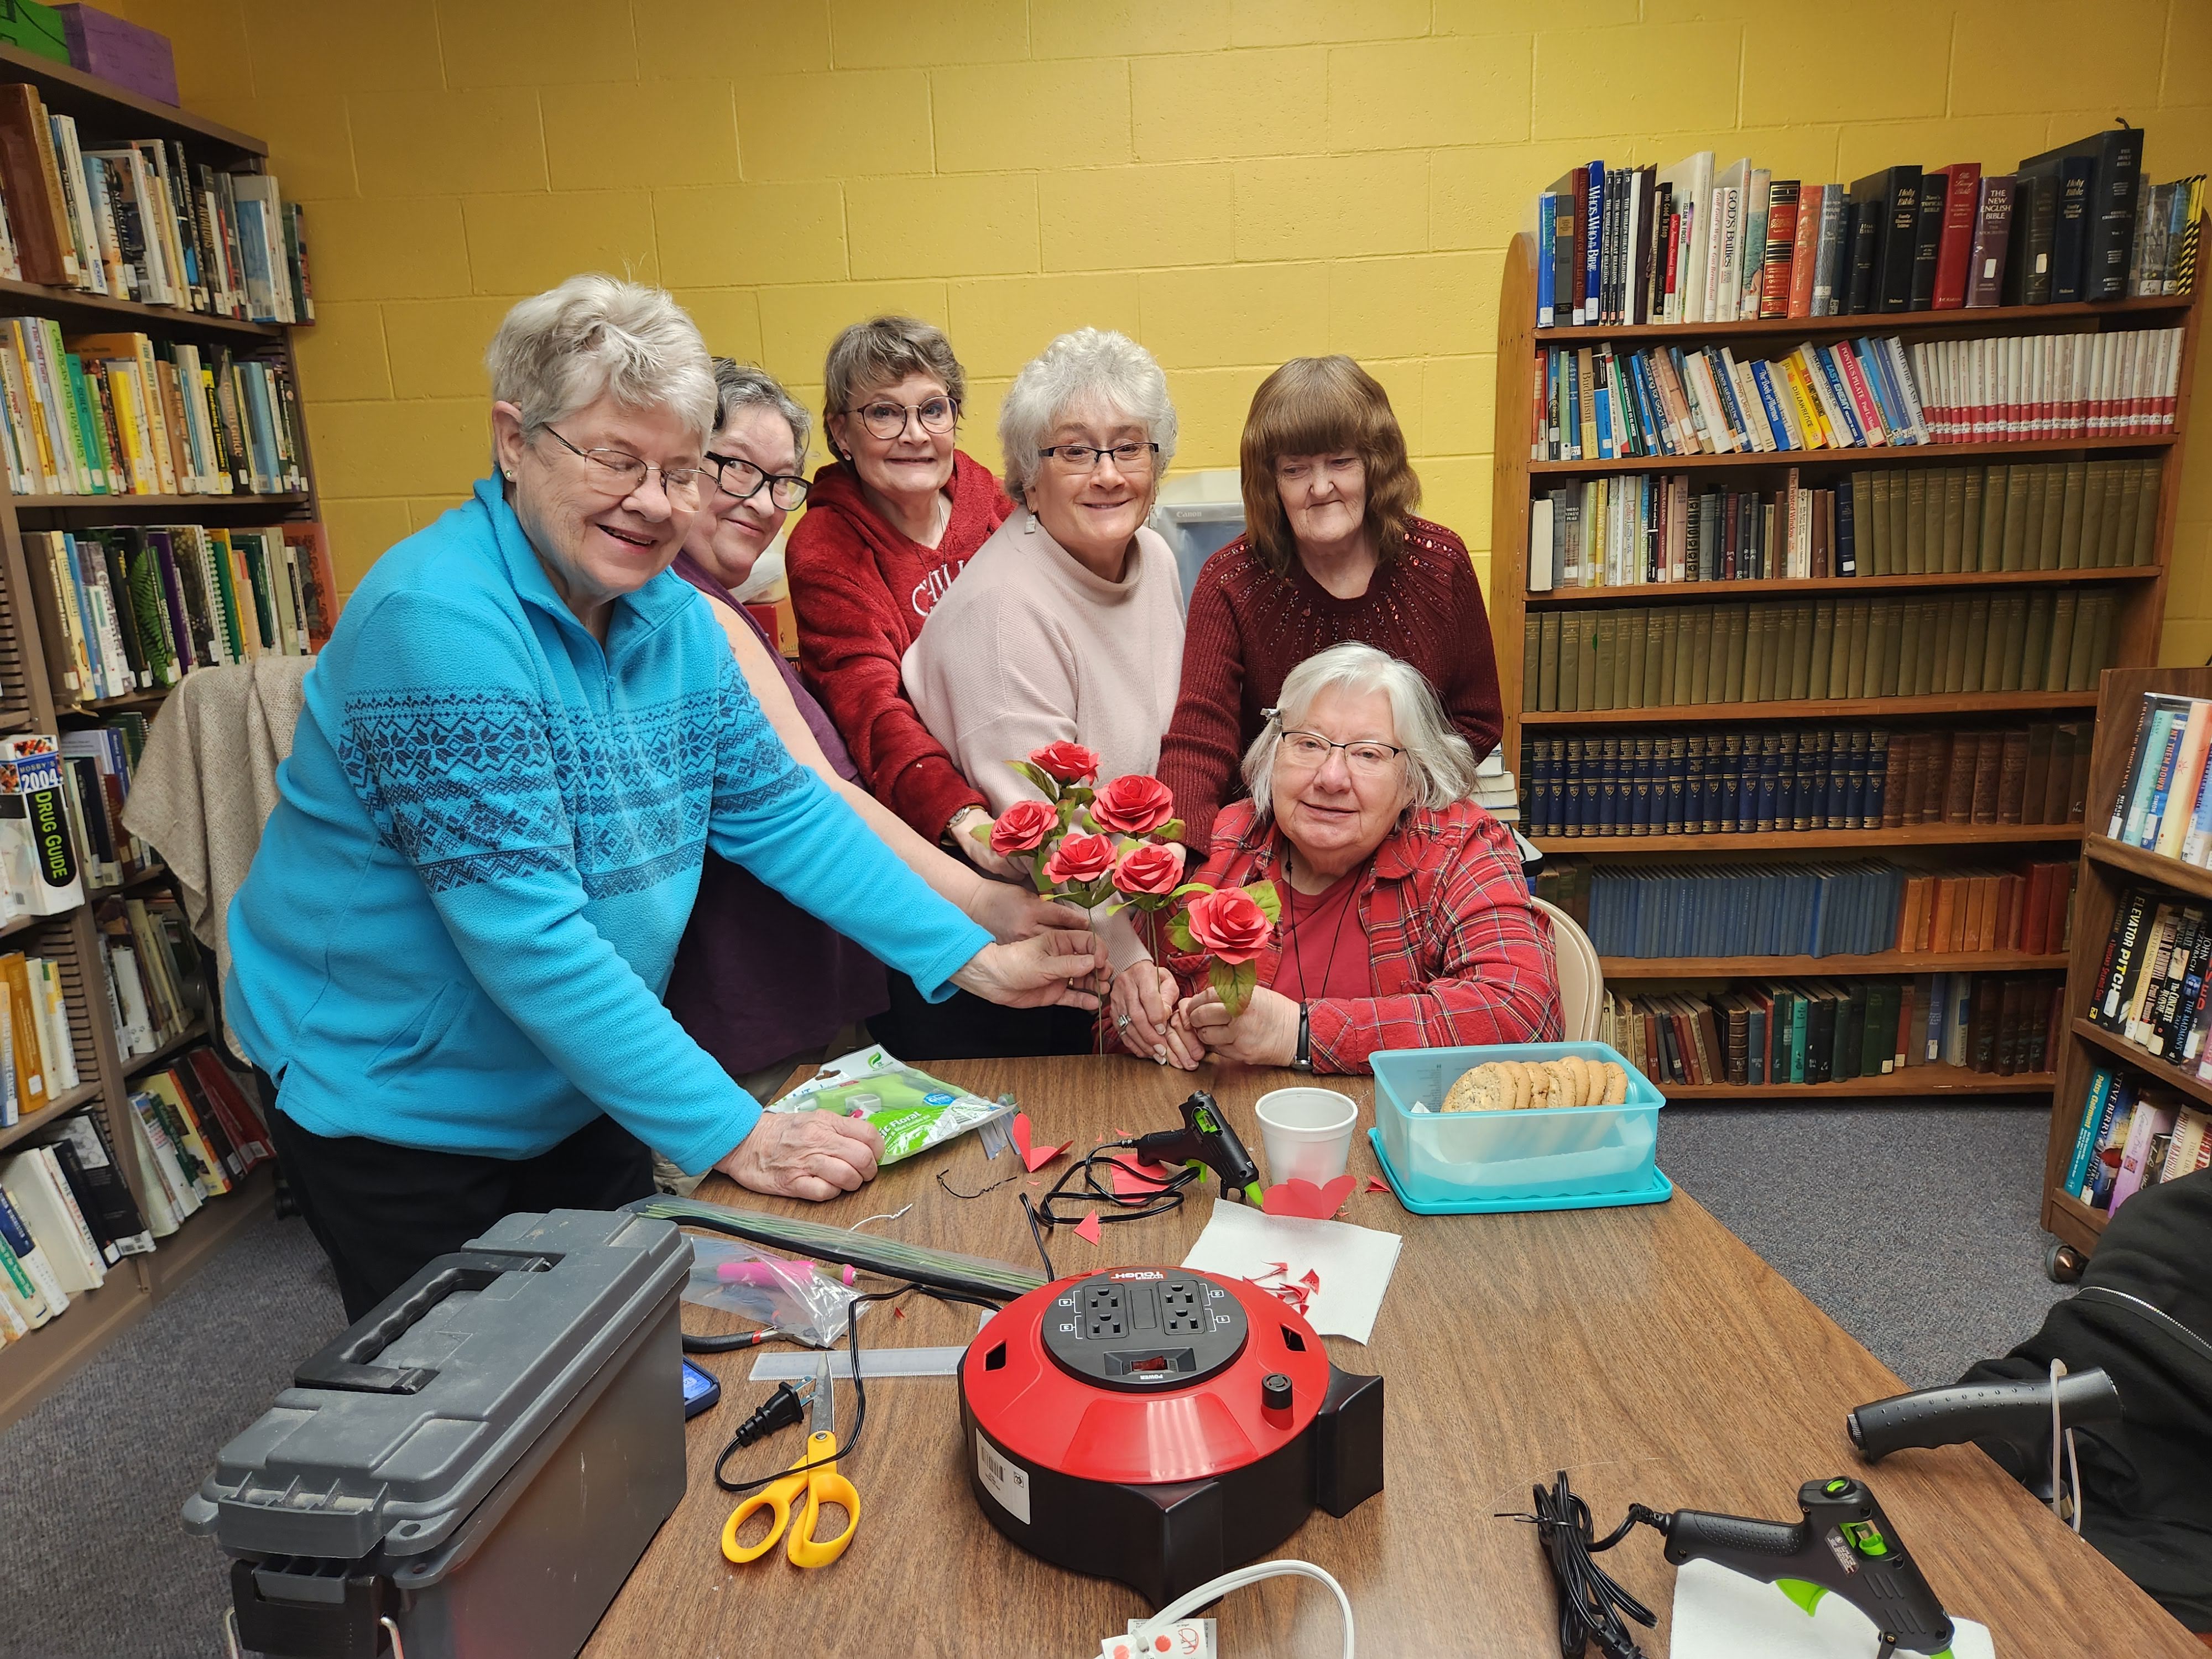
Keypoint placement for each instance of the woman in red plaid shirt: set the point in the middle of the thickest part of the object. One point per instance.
(1406, 922)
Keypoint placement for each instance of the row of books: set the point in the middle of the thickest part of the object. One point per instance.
(1647, 529)
(1798, 650)
(2135, 1134)
(2041, 388)
(41, 1059)
(119, 415)
(1785, 778)
(1603, 403)
(1632, 245)
(1862, 907)
(156, 977)
(1769, 1034)
(97, 764)
(67, 1214)
(127, 608)
(141, 221)
(2164, 803)
(2151, 983)
(198, 1136)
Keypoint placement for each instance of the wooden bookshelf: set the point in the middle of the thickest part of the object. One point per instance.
(2108, 872)
(1915, 1082)
(32, 1366)
(2139, 593)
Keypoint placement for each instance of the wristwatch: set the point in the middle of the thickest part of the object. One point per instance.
(949, 841)
(1303, 1061)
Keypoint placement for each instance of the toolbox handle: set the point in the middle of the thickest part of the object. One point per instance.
(345, 1362)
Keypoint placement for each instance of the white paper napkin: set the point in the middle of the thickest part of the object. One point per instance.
(1720, 1615)
(1351, 1266)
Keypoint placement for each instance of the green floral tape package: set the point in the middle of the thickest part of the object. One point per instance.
(913, 1109)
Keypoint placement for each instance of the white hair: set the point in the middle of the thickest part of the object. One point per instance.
(1439, 763)
(1088, 367)
(597, 336)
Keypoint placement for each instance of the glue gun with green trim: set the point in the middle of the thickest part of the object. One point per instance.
(1206, 1142)
(1845, 1545)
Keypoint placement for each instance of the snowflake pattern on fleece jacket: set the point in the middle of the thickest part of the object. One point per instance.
(461, 919)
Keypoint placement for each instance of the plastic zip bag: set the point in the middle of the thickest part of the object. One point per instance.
(913, 1110)
(794, 1298)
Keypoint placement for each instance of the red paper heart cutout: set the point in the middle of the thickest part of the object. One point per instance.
(1033, 1158)
(1304, 1198)
(1376, 1184)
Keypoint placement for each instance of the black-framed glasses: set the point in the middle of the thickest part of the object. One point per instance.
(886, 419)
(740, 480)
(1307, 751)
(618, 473)
(1133, 459)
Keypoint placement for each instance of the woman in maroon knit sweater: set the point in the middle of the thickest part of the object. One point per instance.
(888, 526)
(1331, 552)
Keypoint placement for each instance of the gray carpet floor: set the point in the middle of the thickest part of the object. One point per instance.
(1942, 1200)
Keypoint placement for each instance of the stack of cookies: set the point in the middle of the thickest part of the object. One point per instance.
(1516, 1085)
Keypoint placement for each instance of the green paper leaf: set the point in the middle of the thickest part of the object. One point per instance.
(1044, 882)
(1171, 830)
(1179, 933)
(981, 832)
(1234, 984)
(1190, 890)
(1082, 794)
(1037, 775)
(1263, 894)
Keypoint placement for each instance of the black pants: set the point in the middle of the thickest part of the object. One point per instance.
(381, 1212)
(965, 1026)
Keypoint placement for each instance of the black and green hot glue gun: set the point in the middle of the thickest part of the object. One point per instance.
(1206, 1142)
(1845, 1545)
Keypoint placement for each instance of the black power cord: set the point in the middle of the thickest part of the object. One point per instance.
(1590, 1602)
(852, 1442)
(1131, 1207)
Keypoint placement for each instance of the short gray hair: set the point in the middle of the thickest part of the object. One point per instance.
(1440, 762)
(1090, 365)
(747, 385)
(597, 337)
(883, 351)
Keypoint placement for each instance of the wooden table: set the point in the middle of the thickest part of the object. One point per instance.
(1645, 1351)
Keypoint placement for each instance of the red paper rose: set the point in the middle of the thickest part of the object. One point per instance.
(1079, 859)
(1228, 925)
(1066, 762)
(1133, 806)
(1154, 867)
(1022, 827)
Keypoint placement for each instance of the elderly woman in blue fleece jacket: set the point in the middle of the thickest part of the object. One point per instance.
(515, 750)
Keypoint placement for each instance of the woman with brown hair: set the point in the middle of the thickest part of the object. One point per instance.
(1331, 551)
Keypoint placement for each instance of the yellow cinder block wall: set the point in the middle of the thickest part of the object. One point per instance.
(1233, 181)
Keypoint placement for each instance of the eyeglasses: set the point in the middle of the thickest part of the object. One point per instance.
(1306, 751)
(741, 480)
(1336, 467)
(617, 473)
(1133, 460)
(887, 419)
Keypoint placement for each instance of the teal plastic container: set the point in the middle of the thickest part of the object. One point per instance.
(1553, 1159)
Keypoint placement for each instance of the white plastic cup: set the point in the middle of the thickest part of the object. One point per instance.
(1307, 1133)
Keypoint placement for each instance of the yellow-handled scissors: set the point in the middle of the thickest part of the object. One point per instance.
(820, 1484)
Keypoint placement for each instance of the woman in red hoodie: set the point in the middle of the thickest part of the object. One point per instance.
(889, 524)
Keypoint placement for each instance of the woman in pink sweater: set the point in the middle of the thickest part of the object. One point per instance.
(1067, 624)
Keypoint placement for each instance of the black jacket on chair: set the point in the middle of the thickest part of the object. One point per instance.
(2143, 1313)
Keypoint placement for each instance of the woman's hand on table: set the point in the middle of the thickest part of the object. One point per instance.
(1265, 1034)
(1144, 996)
(811, 1155)
(1060, 968)
(1008, 913)
(976, 848)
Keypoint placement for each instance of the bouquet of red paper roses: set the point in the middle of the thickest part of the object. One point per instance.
(1112, 844)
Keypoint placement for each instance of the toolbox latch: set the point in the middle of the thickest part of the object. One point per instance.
(299, 1608)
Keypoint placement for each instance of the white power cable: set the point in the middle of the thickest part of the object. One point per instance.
(1214, 1589)
(2065, 1500)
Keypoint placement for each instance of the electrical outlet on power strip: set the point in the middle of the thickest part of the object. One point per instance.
(1187, 1638)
